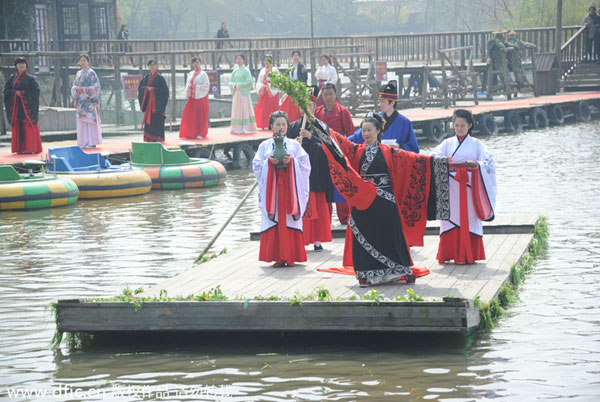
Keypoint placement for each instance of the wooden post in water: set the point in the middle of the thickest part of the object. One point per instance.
(173, 91)
(117, 89)
(558, 41)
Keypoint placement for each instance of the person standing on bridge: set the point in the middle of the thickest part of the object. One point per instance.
(338, 118)
(397, 128)
(472, 184)
(268, 97)
(242, 111)
(325, 74)
(316, 221)
(194, 119)
(283, 191)
(297, 72)
(22, 103)
(86, 98)
(153, 95)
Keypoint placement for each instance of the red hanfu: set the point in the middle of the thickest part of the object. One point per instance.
(281, 243)
(316, 224)
(289, 106)
(153, 95)
(268, 99)
(194, 120)
(21, 95)
(283, 195)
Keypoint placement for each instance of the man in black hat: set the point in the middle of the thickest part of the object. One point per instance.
(397, 129)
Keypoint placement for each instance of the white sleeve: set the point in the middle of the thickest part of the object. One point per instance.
(333, 76)
(202, 85)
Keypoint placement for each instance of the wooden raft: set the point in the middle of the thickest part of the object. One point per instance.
(449, 291)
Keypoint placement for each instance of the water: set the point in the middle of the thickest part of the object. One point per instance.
(547, 347)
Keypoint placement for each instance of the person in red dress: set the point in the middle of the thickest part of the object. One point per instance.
(316, 221)
(153, 95)
(194, 120)
(22, 102)
(338, 118)
(268, 97)
(283, 191)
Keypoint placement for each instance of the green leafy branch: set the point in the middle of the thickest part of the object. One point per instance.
(297, 90)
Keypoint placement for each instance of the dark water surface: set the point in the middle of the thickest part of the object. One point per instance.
(547, 347)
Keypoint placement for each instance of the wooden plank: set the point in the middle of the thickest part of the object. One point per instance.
(273, 316)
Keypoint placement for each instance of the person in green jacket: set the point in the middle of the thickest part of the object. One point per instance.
(242, 110)
(515, 60)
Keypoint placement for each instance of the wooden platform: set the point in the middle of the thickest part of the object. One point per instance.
(449, 291)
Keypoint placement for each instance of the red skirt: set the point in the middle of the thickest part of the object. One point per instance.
(316, 222)
(31, 140)
(194, 120)
(272, 249)
(267, 104)
(449, 248)
(289, 106)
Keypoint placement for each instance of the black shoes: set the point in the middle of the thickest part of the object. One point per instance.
(318, 248)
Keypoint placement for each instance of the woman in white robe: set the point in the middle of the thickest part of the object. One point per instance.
(283, 194)
(472, 185)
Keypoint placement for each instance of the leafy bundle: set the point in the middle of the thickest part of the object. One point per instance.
(297, 90)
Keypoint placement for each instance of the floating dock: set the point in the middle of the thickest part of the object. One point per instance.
(449, 293)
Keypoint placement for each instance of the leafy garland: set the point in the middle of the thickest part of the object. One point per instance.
(296, 90)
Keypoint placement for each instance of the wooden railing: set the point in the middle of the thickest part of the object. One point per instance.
(572, 52)
(392, 48)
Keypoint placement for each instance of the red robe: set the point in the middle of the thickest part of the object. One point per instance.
(338, 119)
(21, 99)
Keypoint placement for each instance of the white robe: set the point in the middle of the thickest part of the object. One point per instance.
(470, 149)
(301, 162)
(327, 73)
(201, 85)
(260, 82)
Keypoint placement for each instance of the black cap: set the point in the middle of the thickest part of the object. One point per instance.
(21, 60)
(390, 91)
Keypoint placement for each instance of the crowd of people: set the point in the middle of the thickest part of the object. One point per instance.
(383, 187)
(390, 190)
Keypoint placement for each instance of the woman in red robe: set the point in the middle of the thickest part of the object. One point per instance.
(22, 100)
(194, 120)
(268, 97)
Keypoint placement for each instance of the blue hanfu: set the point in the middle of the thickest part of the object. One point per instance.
(397, 127)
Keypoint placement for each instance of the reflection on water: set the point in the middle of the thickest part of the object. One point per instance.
(547, 347)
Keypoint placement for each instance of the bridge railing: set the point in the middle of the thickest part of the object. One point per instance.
(422, 47)
(572, 51)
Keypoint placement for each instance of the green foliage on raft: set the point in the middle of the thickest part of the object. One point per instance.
(507, 295)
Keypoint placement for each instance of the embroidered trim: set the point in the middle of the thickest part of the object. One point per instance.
(379, 179)
(393, 267)
(370, 152)
(386, 195)
(442, 187)
(415, 196)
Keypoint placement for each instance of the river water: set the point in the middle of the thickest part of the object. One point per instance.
(546, 347)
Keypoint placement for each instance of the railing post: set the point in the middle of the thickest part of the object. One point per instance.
(117, 89)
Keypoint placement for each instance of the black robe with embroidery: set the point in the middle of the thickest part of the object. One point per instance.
(155, 130)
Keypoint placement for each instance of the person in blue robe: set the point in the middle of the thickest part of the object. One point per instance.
(397, 129)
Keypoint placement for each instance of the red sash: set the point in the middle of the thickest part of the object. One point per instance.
(151, 106)
(18, 98)
(192, 88)
(465, 253)
(282, 192)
